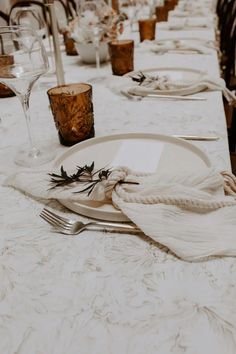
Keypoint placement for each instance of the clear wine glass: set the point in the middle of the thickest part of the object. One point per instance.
(31, 16)
(27, 61)
(94, 21)
(134, 10)
(28, 16)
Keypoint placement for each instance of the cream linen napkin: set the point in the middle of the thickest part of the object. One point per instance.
(164, 85)
(190, 214)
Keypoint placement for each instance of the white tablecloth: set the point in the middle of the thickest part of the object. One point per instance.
(110, 293)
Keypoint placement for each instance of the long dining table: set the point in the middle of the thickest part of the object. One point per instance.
(111, 293)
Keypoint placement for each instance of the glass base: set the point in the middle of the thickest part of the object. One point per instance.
(97, 80)
(34, 157)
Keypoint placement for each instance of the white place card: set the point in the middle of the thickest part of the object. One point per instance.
(142, 156)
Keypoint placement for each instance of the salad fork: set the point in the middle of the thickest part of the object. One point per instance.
(73, 227)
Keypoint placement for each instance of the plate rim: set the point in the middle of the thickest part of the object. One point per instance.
(202, 40)
(170, 68)
(115, 214)
(187, 90)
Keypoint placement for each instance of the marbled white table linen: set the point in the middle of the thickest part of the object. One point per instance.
(110, 293)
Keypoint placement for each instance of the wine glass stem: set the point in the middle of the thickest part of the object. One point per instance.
(97, 55)
(25, 105)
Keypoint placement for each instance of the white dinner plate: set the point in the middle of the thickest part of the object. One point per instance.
(175, 74)
(140, 152)
(189, 78)
(186, 41)
(186, 76)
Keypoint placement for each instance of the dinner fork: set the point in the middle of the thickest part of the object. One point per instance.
(73, 227)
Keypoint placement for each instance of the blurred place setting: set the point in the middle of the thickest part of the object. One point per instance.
(117, 168)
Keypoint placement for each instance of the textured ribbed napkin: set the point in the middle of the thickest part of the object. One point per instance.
(164, 85)
(190, 214)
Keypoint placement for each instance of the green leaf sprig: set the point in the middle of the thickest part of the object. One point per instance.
(85, 174)
(139, 78)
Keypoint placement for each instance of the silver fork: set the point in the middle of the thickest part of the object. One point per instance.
(73, 227)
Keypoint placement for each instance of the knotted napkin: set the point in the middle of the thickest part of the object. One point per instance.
(193, 215)
(165, 85)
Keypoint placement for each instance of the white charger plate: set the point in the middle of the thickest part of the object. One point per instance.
(139, 151)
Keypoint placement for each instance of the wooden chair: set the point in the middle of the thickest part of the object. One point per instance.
(232, 143)
(4, 18)
(226, 10)
(226, 24)
(229, 57)
(29, 3)
(71, 8)
(63, 14)
(60, 8)
(233, 162)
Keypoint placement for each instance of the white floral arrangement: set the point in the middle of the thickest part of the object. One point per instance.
(110, 26)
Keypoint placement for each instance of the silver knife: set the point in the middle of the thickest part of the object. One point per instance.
(197, 137)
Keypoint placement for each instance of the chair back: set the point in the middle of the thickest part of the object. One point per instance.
(35, 3)
(62, 14)
(4, 19)
(71, 8)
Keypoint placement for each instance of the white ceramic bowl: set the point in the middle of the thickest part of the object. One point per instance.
(87, 52)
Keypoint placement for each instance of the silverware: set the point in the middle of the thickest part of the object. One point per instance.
(197, 137)
(73, 227)
(171, 97)
(176, 97)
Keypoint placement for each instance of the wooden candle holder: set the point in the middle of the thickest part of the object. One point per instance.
(69, 44)
(122, 56)
(115, 5)
(147, 29)
(161, 13)
(5, 60)
(170, 5)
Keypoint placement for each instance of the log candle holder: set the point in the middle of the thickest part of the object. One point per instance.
(5, 60)
(147, 29)
(122, 56)
(69, 44)
(161, 13)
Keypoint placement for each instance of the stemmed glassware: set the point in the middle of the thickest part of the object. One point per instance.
(28, 16)
(134, 10)
(27, 62)
(94, 20)
(31, 16)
